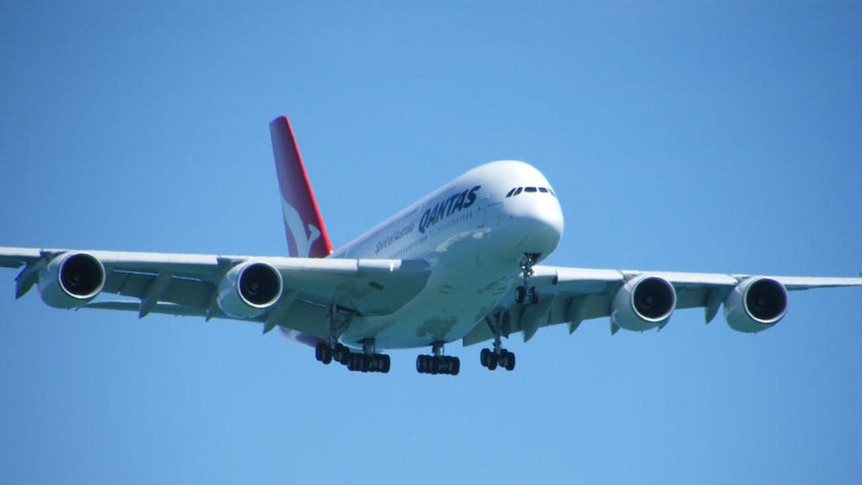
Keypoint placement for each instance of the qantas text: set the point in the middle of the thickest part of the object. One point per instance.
(446, 207)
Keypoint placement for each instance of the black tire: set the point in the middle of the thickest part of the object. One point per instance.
(385, 363)
(492, 361)
(323, 353)
(456, 366)
(484, 357)
(510, 363)
(520, 294)
(341, 354)
(534, 295)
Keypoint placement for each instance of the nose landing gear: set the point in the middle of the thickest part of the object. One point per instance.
(524, 291)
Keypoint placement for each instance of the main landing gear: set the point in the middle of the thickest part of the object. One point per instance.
(365, 361)
(498, 356)
(327, 351)
(524, 291)
(438, 363)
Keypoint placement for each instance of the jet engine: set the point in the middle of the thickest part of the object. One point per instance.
(644, 302)
(755, 304)
(249, 289)
(71, 280)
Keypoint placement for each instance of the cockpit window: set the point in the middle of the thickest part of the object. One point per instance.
(531, 190)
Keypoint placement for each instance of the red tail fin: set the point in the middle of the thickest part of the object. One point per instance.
(303, 225)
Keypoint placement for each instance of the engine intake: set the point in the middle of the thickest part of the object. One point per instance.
(71, 280)
(644, 302)
(755, 304)
(250, 289)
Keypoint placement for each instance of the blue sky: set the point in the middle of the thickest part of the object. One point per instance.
(705, 136)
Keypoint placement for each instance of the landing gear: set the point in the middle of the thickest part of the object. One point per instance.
(326, 353)
(438, 363)
(366, 361)
(498, 356)
(524, 291)
(491, 359)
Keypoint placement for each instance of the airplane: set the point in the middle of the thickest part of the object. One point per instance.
(461, 263)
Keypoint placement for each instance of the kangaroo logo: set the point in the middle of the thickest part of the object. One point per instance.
(302, 238)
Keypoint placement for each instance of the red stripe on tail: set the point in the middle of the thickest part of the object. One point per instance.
(303, 225)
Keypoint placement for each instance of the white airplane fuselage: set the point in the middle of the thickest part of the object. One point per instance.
(473, 232)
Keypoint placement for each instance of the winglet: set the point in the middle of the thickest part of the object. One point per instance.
(303, 224)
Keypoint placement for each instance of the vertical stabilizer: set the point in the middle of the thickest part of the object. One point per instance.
(303, 225)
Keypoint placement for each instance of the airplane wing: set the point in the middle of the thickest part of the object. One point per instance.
(572, 295)
(293, 293)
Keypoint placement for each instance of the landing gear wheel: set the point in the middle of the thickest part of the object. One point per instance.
(485, 357)
(353, 362)
(534, 295)
(492, 362)
(520, 295)
(341, 354)
(507, 360)
(383, 364)
(323, 353)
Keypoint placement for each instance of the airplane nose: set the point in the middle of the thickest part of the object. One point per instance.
(549, 221)
(541, 224)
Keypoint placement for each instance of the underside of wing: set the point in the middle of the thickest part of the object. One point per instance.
(639, 301)
(296, 293)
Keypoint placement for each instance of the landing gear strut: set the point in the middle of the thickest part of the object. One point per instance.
(437, 363)
(525, 290)
(498, 356)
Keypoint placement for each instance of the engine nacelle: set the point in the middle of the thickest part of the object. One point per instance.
(71, 280)
(755, 305)
(643, 303)
(249, 289)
